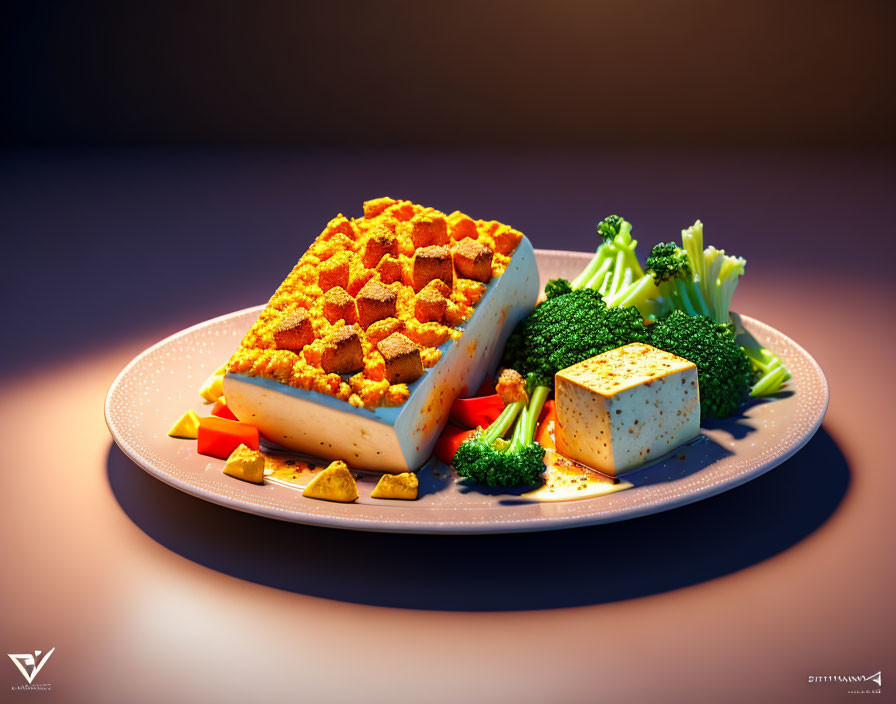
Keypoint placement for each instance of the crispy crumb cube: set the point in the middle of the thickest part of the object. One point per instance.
(430, 305)
(439, 286)
(381, 329)
(511, 387)
(246, 464)
(396, 486)
(343, 352)
(333, 272)
(390, 269)
(428, 229)
(461, 226)
(335, 483)
(294, 330)
(380, 242)
(625, 407)
(376, 206)
(506, 239)
(432, 263)
(403, 361)
(473, 260)
(340, 225)
(338, 305)
(375, 302)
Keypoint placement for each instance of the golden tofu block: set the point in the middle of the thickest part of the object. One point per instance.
(245, 464)
(213, 387)
(335, 483)
(187, 426)
(396, 486)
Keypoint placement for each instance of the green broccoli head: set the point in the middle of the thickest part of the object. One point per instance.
(565, 330)
(724, 372)
(494, 464)
(557, 287)
(668, 261)
(609, 227)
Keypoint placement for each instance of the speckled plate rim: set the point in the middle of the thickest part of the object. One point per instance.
(502, 524)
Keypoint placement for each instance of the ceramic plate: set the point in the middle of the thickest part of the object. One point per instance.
(162, 382)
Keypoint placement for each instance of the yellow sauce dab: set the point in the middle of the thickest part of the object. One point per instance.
(566, 480)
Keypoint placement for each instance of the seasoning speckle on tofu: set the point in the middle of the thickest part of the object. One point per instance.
(363, 280)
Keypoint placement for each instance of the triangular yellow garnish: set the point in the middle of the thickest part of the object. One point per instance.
(335, 483)
(186, 427)
(396, 486)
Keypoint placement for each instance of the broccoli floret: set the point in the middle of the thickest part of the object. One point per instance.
(557, 287)
(715, 272)
(724, 372)
(614, 265)
(487, 458)
(565, 330)
(668, 285)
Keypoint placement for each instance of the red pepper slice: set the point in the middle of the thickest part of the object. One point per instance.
(449, 441)
(222, 410)
(477, 411)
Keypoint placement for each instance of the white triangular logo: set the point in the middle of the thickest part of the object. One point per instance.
(874, 678)
(23, 660)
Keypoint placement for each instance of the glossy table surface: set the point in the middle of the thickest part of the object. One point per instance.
(149, 595)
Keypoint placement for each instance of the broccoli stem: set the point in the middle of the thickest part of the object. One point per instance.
(770, 369)
(614, 265)
(524, 432)
(501, 424)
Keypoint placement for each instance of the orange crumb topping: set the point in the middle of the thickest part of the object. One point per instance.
(369, 261)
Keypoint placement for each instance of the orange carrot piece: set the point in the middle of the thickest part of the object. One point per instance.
(218, 437)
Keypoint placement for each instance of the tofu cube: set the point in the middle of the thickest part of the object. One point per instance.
(625, 407)
(335, 483)
(432, 263)
(396, 486)
(461, 226)
(430, 305)
(294, 331)
(403, 361)
(381, 242)
(334, 272)
(343, 353)
(375, 302)
(338, 305)
(245, 464)
(473, 260)
(427, 229)
(390, 269)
